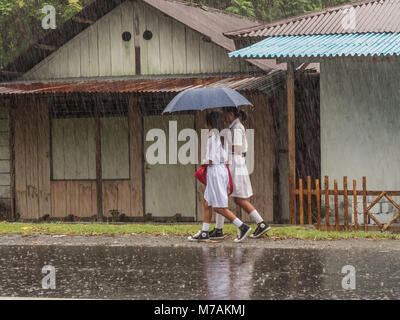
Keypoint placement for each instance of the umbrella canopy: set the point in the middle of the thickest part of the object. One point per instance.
(206, 98)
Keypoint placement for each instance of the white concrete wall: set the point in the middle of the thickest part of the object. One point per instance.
(360, 123)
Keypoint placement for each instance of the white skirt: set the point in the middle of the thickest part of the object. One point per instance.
(240, 177)
(216, 193)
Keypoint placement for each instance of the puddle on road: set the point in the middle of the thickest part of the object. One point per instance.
(197, 273)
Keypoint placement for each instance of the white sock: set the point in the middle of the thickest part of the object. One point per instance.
(256, 216)
(219, 221)
(237, 222)
(206, 226)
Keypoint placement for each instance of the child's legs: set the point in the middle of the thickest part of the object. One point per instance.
(244, 204)
(225, 212)
(219, 221)
(207, 212)
(249, 208)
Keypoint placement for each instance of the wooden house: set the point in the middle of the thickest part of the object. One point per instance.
(75, 109)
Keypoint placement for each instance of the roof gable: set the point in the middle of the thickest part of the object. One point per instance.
(209, 22)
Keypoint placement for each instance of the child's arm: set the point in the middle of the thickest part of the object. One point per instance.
(237, 145)
(207, 161)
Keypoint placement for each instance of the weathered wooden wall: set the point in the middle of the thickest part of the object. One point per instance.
(170, 187)
(261, 120)
(37, 195)
(100, 51)
(73, 148)
(73, 145)
(5, 181)
(32, 158)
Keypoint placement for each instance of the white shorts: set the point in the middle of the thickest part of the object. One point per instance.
(216, 193)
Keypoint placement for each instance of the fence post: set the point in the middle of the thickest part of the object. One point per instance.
(335, 192)
(309, 199)
(364, 181)
(345, 204)
(301, 201)
(355, 204)
(317, 192)
(327, 203)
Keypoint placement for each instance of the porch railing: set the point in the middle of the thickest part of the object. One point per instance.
(314, 204)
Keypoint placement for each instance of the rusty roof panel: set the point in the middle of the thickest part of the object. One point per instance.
(371, 16)
(241, 83)
(208, 21)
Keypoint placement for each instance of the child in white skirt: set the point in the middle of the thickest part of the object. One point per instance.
(216, 193)
(237, 146)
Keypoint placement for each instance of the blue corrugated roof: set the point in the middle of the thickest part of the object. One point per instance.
(327, 45)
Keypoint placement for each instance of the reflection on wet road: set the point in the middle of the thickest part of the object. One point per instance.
(197, 273)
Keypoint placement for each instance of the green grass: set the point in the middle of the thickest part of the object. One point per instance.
(277, 233)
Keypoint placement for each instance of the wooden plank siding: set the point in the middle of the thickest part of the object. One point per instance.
(32, 159)
(6, 159)
(261, 120)
(100, 51)
(37, 195)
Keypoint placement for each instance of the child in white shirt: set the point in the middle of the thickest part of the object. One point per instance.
(216, 193)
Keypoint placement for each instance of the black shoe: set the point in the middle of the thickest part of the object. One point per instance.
(200, 236)
(216, 234)
(262, 228)
(243, 232)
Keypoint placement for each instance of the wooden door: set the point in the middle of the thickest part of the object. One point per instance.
(170, 189)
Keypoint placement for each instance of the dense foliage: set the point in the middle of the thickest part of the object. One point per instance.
(270, 10)
(20, 20)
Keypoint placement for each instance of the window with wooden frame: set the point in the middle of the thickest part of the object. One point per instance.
(73, 142)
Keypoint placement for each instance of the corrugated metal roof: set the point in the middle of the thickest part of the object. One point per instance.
(369, 44)
(208, 21)
(371, 16)
(241, 83)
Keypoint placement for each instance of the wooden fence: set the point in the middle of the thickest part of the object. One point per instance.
(311, 199)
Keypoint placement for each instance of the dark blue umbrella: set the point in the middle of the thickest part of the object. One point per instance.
(206, 98)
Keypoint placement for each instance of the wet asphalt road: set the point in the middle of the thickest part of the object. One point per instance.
(201, 272)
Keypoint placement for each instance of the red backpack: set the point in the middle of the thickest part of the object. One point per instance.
(201, 175)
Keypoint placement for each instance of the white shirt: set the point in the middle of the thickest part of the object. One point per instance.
(239, 135)
(215, 152)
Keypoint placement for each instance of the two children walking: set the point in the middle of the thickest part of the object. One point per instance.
(216, 193)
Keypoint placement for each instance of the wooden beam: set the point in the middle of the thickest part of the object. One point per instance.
(290, 78)
(302, 68)
(45, 47)
(10, 73)
(138, 63)
(358, 192)
(99, 177)
(12, 160)
(82, 20)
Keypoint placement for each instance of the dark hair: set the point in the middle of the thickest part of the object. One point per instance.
(215, 120)
(236, 112)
